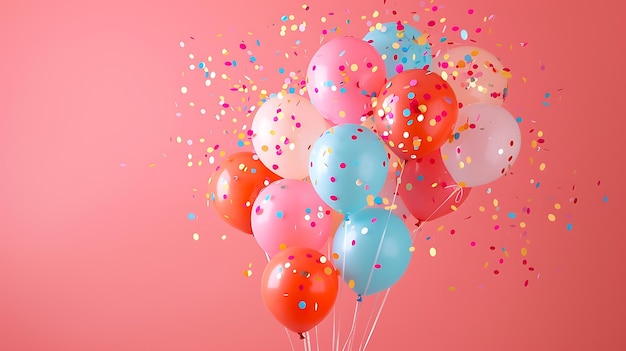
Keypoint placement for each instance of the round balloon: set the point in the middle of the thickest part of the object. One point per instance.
(284, 128)
(475, 74)
(428, 190)
(289, 213)
(372, 250)
(415, 113)
(235, 184)
(299, 287)
(401, 47)
(485, 145)
(342, 77)
(347, 164)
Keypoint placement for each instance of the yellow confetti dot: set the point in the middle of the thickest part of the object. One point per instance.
(351, 283)
(451, 289)
(524, 251)
(542, 166)
(196, 236)
(328, 271)
(412, 249)
(354, 67)
(432, 252)
(183, 90)
(522, 224)
(223, 237)
(557, 206)
(481, 208)
(440, 228)
(551, 217)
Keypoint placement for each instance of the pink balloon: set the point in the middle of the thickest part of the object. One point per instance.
(475, 74)
(284, 128)
(427, 188)
(485, 146)
(289, 213)
(342, 77)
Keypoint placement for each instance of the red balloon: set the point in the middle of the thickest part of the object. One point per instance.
(428, 190)
(299, 288)
(415, 113)
(234, 186)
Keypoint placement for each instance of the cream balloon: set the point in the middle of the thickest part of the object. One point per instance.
(283, 130)
(475, 75)
(485, 146)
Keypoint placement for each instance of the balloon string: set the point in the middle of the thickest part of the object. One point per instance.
(353, 328)
(369, 320)
(307, 338)
(382, 237)
(289, 338)
(317, 339)
(336, 338)
(380, 309)
(303, 338)
(457, 190)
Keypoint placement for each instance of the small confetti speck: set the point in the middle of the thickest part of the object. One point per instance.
(196, 236)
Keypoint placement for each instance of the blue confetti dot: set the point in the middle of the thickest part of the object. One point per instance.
(191, 216)
(519, 119)
(569, 226)
(464, 34)
(605, 199)
(280, 214)
(512, 215)
(301, 305)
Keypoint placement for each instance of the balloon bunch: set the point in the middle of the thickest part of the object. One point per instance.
(388, 135)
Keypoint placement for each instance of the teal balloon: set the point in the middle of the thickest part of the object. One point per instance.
(371, 249)
(347, 164)
(398, 44)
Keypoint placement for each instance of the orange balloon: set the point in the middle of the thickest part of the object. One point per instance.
(234, 186)
(415, 113)
(299, 288)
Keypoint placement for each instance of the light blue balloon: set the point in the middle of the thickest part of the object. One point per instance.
(371, 249)
(347, 163)
(397, 44)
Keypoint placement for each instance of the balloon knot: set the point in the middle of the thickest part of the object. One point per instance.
(359, 298)
(302, 336)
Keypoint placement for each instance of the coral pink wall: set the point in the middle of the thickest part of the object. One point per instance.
(100, 212)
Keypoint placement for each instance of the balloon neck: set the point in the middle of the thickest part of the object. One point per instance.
(302, 337)
(359, 298)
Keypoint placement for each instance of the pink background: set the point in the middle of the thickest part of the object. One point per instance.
(97, 248)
